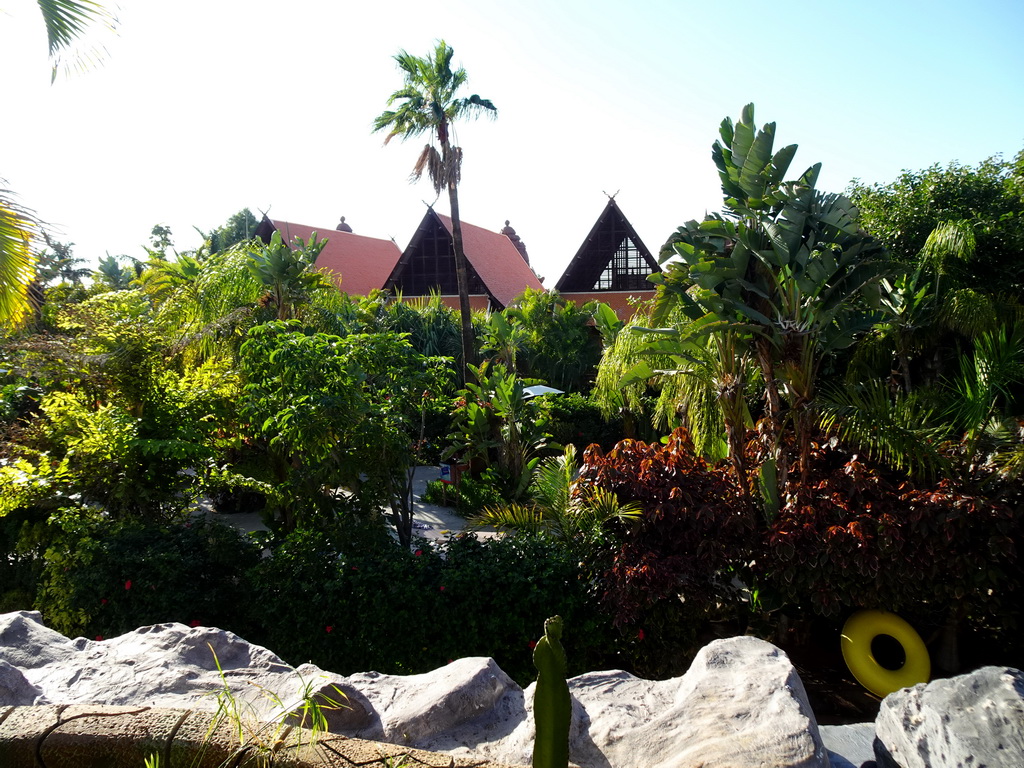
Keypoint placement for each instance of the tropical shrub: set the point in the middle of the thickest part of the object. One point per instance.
(555, 340)
(574, 515)
(497, 428)
(988, 197)
(104, 578)
(467, 498)
(576, 419)
(853, 537)
(401, 612)
(336, 412)
(685, 559)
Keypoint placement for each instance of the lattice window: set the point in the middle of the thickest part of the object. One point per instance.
(626, 270)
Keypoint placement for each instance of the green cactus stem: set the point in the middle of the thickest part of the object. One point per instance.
(552, 706)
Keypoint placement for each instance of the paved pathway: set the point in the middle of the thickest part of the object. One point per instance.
(430, 521)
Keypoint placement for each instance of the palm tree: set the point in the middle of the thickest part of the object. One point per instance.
(66, 21)
(428, 104)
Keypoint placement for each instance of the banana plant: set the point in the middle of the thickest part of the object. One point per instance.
(287, 273)
(784, 269)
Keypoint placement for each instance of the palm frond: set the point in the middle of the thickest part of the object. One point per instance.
(949, 242)
(986, 379)
(895, 430)
(522, 518)
(67, 22)
(18, 226)
(969, 312)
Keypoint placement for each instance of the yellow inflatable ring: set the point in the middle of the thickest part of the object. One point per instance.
(863, 627)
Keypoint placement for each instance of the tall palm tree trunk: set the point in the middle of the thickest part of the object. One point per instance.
(461, 270)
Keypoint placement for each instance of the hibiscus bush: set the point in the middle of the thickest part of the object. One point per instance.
(405, 612)
(104, 578)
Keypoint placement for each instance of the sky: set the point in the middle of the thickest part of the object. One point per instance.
(203, 107)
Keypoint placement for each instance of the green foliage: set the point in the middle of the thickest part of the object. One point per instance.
(898, 430)
(468, 498)
(287, 273)
(104, 578)
(573, 515)
(498, 428)
(116, 348)
(403, 612)
(111, 273)
(17, 262)
(432, 327)
(783, 275)
(548, 338)
(906, 213)
(146, 465)
(67, 22)
(576, 419)
(336, 412)
(239, 228)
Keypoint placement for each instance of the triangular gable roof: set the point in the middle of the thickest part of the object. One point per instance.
(359, 264)
(597, 252)
(492, 256)
(497, 260)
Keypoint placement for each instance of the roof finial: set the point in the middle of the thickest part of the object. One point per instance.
(611, 196)
(342, 226)
(510, 233)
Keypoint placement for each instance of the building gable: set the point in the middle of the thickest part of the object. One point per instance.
(611, 258)
(497, 270)
(428, 263)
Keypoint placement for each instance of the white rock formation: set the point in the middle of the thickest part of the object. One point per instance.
(740, 704)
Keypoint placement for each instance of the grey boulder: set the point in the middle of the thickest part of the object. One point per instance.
(975, 719)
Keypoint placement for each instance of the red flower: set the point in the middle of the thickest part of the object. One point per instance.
(418, 552)
(103, 601)
(354, 568)
(194, 623)
(532, 644)
(128, 584)
(639, 634)
(99, 637)
(329, 629)
(442, 588)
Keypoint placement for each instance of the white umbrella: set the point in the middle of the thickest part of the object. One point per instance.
(540, 389)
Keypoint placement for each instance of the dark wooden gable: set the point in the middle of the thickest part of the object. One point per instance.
(428, 263)
(612, 258)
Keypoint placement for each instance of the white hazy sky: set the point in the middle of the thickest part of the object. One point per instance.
(203, 107)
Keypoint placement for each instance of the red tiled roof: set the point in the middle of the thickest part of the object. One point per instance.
(496, 260)
(357, 263)
(617, 300)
